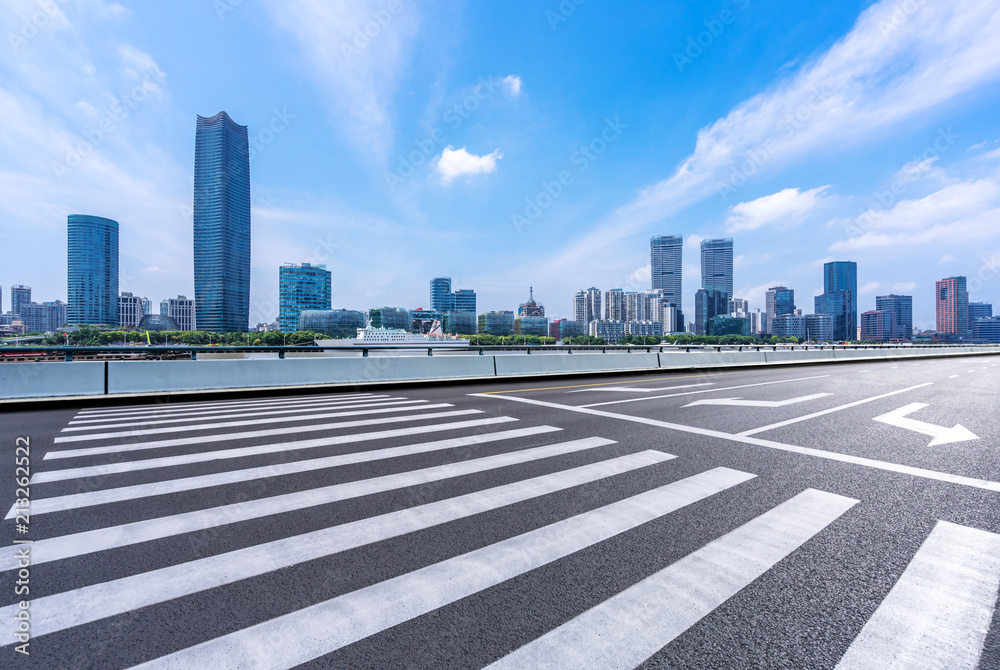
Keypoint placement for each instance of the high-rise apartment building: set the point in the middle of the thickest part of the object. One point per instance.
(778, 301)
(19, 295)
(221, 224)
(92, 270)
(301, 287)
(587, 306)
(130, 311)
(952, 306)
(900, 309)
(44, 318)
(717, 266)
(739, 306)
(839, 298)
(666, 265)
(180, 309)
(614, 305)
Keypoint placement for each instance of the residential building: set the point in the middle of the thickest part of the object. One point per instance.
(300, 287)
(637, 306)
(779, 301)
(92, 270)
(876, 326)
(708, 304)
(819, 327)
(758, 322)
(717, 266)
(952, 306)
(789, 325)
(181, 309)
(47, 317)
(587, 305)
(607, 329)
(666, 265)
(644, 328)
(614, 305)
(839, 298)
(221, 225)
(441, 297)
(19, 295)
(725, 324)
(530, 308)
(498, 323)
(531, 325)
(130, 311)
(900, 308)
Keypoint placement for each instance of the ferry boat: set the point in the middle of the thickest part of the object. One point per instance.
(396, 338)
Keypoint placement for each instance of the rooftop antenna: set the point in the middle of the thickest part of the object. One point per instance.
(531, 293)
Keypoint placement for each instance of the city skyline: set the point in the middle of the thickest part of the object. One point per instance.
(850, 171)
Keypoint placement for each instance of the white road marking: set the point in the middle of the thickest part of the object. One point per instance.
(313, 405)
(971, 371)
(778, 446)
(98, 601)
(639, 389)
(727, 388)
(229, 437)
(255, 450)
(938, 613)
(953, 377)
(737, 402)
(236, 424)
(941, 434)
(864, 371)
(322, 628)
(185, 406)
(824, 412)
(628, 628)
(102, 539)
(120, 494)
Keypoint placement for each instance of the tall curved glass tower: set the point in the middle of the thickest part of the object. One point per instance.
(221, 224)
(92, 270)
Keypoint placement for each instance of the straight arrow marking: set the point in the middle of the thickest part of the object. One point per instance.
(736, 402)
(941, 434)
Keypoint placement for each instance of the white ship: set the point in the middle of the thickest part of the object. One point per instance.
(396, 338)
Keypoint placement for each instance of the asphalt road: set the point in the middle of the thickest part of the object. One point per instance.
(827, 516)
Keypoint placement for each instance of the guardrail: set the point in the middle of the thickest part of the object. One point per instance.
(139, 370)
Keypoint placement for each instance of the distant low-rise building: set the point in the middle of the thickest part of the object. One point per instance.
(47, 317)
(390, 317)
(820, 327)
(560, 329)
(182, 310)
(644, 328)
(876, 326)
(531, 325)
(130, 310)
(987, 330)
(789, 325)
(607, 329)
(499, 323)
(728, 325)
(335, 323)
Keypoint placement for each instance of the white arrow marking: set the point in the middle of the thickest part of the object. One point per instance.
(641, 390)
(941, 434)
(736, 402)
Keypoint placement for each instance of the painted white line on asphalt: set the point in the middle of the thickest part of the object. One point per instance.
(185, 406)
(237, 424)
(938, 613)
(330, 625)
(864, 371)
(120, 494)
(971, 371)
(101, 539)
(778, 446)
(941, 434)
(269, 408)
(628, 628)
(953, 377)
(255, 412)
(255, 450)
(99, 601)
(620, 389)
(737, 402)
(232, 437)
(727, 388)
(824, 412)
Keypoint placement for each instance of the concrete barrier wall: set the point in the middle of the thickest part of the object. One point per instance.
(87, 378)
(51, 379)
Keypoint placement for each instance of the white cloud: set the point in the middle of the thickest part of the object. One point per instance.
(870, 288)
(948, 258)
(457, 162)
(868, 81)
(783, 208)
(513, 84)
(904, 287)
(919, 170)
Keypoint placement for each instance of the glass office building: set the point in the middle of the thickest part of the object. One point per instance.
(464, 300)
(335, 323)
(779, 301)
(221, 225)
(301, 287)
(666, 265)
(92, 270)
(840, 298)
(900, 307)
(717, 266)
(19, 295)
(441, 297)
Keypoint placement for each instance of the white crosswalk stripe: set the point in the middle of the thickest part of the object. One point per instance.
(937, 613)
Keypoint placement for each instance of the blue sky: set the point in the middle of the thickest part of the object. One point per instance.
(513, 144)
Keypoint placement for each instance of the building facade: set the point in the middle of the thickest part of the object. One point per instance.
(900, 308)
(789, 325)
(643, 328)
(979, 310)
(130, 310)
(666, 254)
(221, 224)
(725, 324)
(19, 295)
(181, 310)
(390, 317)
(464, 300)
(530, 308)
(987, 330)
(335, 323)
(47, 317)
(92, 270)
(531, 325)
(839, 298)
(440, 295)
(606, 329)
(717, 266)
(952, 308)
(614, 305)
(497, 323)
(300, 287)
(819, 327)
(461, 323)
(778, 301)
(876, 326)
(708, 304)
(563, 328)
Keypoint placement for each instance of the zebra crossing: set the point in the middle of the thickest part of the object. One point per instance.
(937, 614)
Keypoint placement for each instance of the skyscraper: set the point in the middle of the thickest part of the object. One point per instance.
(464, 300)
(665, 262)
(778, 302)
(441, 298)
(979, 310)
(221, 224)
(19, 295)
(717, 266)
(952, 302)
(839, 298)
(92, 270)
(614, 305)
(900, 308)
(708, 304)
(301, 287)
